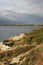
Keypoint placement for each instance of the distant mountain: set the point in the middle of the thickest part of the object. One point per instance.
(11, 17)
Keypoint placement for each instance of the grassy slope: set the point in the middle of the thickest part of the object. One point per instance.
(26, 51)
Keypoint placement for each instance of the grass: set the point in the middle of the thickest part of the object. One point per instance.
(35, 36)
(24, 45)
(20, 50)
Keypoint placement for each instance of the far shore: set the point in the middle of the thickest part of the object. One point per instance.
(21, 24)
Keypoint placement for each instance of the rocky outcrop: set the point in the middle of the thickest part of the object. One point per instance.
(25, 49)
(16, 38)
(4, 47)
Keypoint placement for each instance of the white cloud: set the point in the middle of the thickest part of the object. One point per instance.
(23, 6)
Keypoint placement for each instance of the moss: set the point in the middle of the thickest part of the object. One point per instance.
(38, 39)
(20, 50)
(34, 36)
(9, 43)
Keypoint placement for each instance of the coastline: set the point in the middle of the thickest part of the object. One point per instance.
(21, 24)
(21, 49)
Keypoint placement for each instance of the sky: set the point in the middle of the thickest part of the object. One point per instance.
(23, 6)
(30, 6)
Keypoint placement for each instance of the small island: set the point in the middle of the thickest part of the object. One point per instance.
(25, 49)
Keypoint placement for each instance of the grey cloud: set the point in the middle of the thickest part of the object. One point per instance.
(28, 11)
(35, 1)
(15, 17)
(29, 6)
(38, 1)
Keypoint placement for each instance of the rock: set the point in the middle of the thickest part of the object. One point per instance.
(22, 35)
(10, 39)
(4, 47)
(1, 63)
(16, 38)
(5, 41)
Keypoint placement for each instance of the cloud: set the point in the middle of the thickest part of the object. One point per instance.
(22, 10)
(24, 18)
(29, 6)
(34, 2)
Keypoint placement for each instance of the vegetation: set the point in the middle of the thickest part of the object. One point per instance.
(25, 51)
(21, 24)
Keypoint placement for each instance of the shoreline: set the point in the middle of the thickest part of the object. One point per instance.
(20, 36)
(21, 49)
(21, 24)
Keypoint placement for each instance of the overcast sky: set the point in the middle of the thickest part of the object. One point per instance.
(23, 6)
(29, 6)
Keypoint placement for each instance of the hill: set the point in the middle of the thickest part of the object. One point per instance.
(26, 49)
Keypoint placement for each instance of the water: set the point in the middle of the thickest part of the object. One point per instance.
(8, 31)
